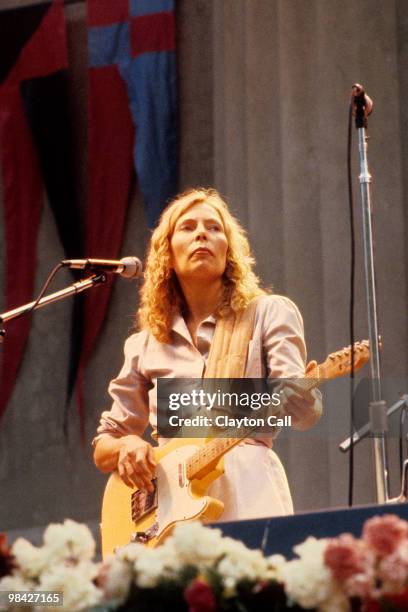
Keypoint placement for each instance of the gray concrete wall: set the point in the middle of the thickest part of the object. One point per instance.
(282, 81)
(264, 88)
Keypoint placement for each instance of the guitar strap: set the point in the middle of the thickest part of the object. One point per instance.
(229, 347)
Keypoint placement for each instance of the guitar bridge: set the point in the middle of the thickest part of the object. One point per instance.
(143, 502)
(145, 536)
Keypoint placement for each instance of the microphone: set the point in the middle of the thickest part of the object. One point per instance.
(362, 104)
(128, 267)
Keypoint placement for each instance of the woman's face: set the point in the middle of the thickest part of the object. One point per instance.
(199, 244)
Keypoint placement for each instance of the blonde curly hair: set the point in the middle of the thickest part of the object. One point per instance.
(161, 295)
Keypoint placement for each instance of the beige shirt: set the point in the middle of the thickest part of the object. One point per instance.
(277, 350)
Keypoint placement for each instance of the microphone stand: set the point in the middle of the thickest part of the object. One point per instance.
(78, 287)
(364, 431)
(377, 407)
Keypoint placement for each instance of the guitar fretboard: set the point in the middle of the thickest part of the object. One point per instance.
(207, 456)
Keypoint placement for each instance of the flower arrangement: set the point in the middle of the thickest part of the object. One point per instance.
(199, 570)
(63, 564)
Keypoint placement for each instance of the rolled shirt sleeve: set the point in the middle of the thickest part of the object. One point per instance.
(285, 350)
(129, 413)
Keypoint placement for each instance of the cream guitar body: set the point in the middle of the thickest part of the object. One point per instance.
(176, 499)
(185, 469)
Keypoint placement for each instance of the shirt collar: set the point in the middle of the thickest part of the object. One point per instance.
(179, 325)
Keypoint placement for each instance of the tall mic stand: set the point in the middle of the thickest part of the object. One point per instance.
(82, 285)
(377, 407)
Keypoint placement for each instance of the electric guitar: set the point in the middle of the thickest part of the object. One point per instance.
(185, 469)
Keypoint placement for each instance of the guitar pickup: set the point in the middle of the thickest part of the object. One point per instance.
(142, 502)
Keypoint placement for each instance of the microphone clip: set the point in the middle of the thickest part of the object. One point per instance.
(362, 105)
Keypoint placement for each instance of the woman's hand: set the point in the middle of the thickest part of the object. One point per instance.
(301, 404)
(136, 462)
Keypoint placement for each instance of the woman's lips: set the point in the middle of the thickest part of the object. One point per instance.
(202, 251)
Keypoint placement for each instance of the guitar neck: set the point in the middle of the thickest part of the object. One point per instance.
(206, 457)
(336, 364)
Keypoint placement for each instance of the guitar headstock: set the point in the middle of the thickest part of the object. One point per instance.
(339, 363)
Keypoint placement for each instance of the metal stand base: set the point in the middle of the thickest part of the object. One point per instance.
(403, 496)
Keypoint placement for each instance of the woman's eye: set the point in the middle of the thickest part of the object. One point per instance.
(215, 227)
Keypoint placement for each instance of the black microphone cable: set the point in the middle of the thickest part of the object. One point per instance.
(352, 298)
(45, 287)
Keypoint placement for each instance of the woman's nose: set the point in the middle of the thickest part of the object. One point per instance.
(201, 232)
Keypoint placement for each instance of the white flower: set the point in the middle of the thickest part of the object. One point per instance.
(157, 563)
(195, 544)
(30, 559)
(130, 552)
(311, 549)
(307, 580)
(150, 568)
(76, 583)
(115, 577)
(68, 540)
(15, 582)
(304, 585)
(239, 562)
(274, 563)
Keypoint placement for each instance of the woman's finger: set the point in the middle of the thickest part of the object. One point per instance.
(142, 464)
(150, 456)
(141, 478)
(124, 476)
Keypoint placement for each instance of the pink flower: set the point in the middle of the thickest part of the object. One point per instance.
(393, 570)
(384, 533)
(200, 597)
(360, 585)
(345, 556)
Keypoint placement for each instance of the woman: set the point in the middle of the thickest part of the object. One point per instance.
(199, 271)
